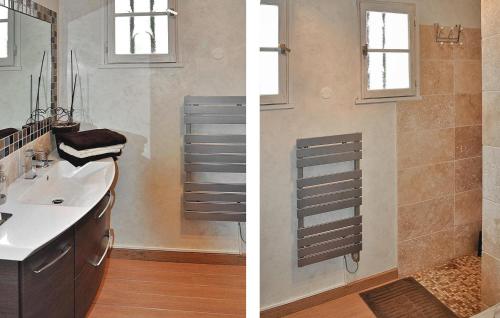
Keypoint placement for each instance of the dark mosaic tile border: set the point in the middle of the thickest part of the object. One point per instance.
(21, 138)
(15, 141)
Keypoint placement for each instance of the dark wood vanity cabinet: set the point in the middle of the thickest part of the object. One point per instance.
(61, 279)
(92, 239)
(9, 289)
(47, 280)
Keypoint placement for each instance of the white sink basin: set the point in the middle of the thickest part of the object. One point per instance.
(65, 185)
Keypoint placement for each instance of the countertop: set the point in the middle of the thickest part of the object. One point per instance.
(34, 225)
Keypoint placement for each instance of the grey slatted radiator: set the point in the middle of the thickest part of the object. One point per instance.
(323, 195)
(216, 153)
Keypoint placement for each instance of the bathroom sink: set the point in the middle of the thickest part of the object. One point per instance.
(65, 185)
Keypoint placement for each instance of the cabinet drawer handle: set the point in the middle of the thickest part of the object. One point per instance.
(66, 250)
(111, 201)
(111, 238)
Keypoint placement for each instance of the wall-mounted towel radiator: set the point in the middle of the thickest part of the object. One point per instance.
(216, 153)
(327, 193)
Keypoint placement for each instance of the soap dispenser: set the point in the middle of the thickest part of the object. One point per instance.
(3, 187)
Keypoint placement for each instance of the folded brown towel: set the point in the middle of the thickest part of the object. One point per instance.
(7, 132)
(90, 139)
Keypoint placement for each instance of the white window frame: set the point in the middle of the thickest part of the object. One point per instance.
(127, 59)
(10, 60)
(284, 60)
(406, 8)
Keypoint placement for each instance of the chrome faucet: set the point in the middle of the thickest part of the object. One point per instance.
(40, 159)
(29, 164)
(32, 160)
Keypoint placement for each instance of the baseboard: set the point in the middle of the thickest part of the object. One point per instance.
(178, 257)
(315, 300)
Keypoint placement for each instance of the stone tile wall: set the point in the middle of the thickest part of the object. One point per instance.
(439, 156)
(490, 288)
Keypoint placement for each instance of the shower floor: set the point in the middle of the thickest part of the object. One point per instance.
(457, 284)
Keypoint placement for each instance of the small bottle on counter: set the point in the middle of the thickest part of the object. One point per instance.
(3, 187)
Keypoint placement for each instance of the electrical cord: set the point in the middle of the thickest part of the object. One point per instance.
(347, 267)
(241, 234)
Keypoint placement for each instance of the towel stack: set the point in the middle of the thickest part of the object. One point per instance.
(80, 148)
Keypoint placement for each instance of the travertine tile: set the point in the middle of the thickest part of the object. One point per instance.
(425, 183)
(491, 119)
(12, 163)
(429, 48)
(468, 78)
(468, 142)
(490, 11)
(425, 147)
(468, 174)
(471, 50)
(468, 207)
(457, 284)
(432, 112)
(491, 63)
(425, 252)
(428, 174)
(468, 109)
(490, 282)
(467, 239)
(491, 228)
(491, 174)
(436, 77)
(425, 218)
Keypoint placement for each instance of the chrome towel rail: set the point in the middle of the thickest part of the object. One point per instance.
(328, 193)
(214, 153)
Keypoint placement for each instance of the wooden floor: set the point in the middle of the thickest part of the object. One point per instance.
(350, 306)
(167, 290)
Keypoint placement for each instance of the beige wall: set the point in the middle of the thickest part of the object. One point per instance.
(146, 105)
(439, 156)
(325, 54)
(490, 288)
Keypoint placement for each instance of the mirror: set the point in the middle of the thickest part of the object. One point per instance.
(25, 70)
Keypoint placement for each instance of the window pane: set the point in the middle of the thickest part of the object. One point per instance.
(388, 71)
(269, 73)
(4, 13)
(269, 25)
(4, 37)
(149, 35)
(122, 35)
(386, 30)
(128, 6)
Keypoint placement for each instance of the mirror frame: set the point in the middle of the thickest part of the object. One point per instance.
(17, 140)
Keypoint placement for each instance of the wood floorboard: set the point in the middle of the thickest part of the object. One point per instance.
(179, 277)
(163, 290)
(349, 306)
(172, 289)
(346, 307)
(177, 267)
(132, 299)
(103, 311)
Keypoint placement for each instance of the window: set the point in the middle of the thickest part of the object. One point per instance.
(7, 43)
(141, 31)
(388, 50)
(273, 52)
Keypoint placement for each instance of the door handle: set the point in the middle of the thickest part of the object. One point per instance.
(364, 49)
(111, 237)
(108, 205)
(66, 250)
(172, 13)
(284, 49)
